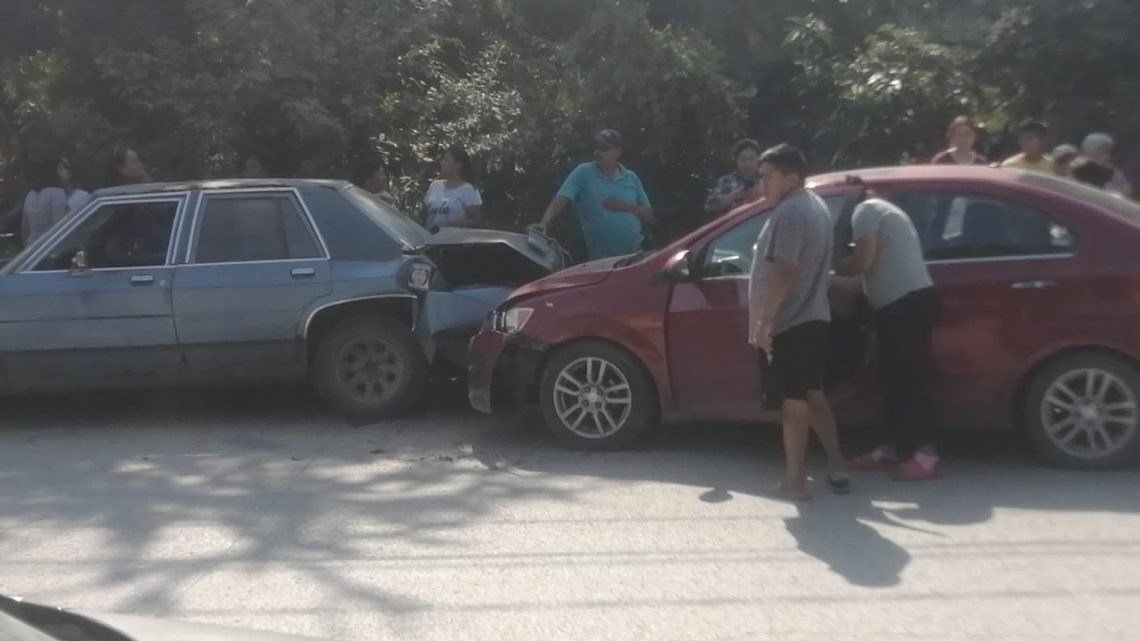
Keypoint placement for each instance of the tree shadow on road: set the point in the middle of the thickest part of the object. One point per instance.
(291, 489)
(266, 479)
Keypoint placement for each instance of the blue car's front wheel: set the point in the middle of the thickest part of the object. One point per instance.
(370, 366)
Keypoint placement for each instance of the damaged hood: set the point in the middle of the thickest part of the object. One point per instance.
(583, 275)
(536, 247)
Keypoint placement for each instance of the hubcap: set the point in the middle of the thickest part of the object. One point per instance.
(370, 370)
(592, 398)
(1090, 413)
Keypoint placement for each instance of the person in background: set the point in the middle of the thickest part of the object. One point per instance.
(1033, 140)
(741, 186)
(1099, 147)
(1090, 172)
(1063, 157)
(609, 199)
(371, 176)
(452, 201)
(789, 312)
(254, 168)
(962, 136)
(890, 267)
(126, 168)
(46, 203)
(76, 198)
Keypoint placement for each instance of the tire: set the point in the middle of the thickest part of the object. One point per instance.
(628, 415)
(369, 366)
(1073, 428)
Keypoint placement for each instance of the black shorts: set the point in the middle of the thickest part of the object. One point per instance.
(798, 365)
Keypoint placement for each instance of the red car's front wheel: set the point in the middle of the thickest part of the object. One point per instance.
(596, 396)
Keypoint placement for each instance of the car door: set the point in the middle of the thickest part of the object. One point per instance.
(715, 373)
(255, 262)
(998, 263)
(92, 307)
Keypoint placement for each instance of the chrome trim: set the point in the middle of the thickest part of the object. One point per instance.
(58, 234)
(192, 205)
(313, 314)
(258, 262)
(101, 270)
(1000, 259)
(204, 195)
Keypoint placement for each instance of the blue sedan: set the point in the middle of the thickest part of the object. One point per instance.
(249, 281)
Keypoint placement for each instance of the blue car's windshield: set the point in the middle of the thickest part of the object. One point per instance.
(395, 222)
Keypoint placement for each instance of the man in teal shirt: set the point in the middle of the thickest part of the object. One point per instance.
(609, 199)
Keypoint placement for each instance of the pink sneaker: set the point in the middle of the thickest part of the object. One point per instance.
(920, 467)
(879, 460)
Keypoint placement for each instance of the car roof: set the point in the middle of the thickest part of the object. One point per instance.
(921, 173)
(207, 185)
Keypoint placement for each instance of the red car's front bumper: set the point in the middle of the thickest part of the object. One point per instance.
(502, 370)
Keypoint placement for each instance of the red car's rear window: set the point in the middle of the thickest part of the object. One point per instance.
(1103, 199)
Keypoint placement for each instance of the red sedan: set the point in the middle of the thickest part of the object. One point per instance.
(1039, 327)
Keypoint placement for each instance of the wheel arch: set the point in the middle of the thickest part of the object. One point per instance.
(399, 307)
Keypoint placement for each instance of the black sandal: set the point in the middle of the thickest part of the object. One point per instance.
(839, 486)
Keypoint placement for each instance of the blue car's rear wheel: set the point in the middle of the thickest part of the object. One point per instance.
(370, 366)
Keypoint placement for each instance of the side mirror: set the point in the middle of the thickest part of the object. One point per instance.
(79, 261)
(679, 268)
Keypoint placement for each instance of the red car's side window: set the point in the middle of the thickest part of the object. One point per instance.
(731, 254)
(959, 225)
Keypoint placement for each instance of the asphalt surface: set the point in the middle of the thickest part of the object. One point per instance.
(258, 509)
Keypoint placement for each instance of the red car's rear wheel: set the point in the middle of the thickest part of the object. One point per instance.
(1083, 411)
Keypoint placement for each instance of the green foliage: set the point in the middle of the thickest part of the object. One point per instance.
(312, 87)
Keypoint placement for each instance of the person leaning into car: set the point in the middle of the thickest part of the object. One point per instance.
(889, 262)
(609, 199)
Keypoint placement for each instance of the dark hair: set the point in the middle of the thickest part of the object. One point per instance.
(961, 121)
(1091, 172)
(365, 169)
(745, 145)
(1033, 126)
(115, 168)
(45, 173)
(786, 158)
(459, 153)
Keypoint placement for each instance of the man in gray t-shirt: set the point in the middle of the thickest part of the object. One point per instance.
(789, 315)
(888, 256)
(799, 231)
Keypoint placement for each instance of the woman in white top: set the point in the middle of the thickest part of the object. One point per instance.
(452, 201)
(45, 205)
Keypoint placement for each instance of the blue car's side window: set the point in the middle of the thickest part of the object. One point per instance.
(116, 236)
(250, 228)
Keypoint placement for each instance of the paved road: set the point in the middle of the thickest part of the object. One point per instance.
(260, 510)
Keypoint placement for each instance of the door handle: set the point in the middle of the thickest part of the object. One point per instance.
(143, 279)
(1033, 284)
(303, 272)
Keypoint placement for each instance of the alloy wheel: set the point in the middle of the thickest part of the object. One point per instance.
(592, 398)
(1090, 413)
